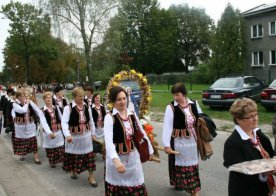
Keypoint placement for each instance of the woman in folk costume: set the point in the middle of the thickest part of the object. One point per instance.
(179, 135)
(79, 131)
(53, 141)
(89, 95)
(24, 111)
(124, 173)
(59, 99)
(98, 114)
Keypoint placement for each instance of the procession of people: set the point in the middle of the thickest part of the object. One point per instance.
(74, 132)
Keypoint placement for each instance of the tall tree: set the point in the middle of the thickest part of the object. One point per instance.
(229, 45)
(87, 17)
(193, 34)
(137, 28)
(27, 25)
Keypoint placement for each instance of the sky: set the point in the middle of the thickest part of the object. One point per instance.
(213, 8)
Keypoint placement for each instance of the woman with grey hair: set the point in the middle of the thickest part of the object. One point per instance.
(246, 143)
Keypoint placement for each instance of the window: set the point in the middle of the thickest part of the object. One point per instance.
(256, 31)
(257, 58)
(273, 57)
(272, 28)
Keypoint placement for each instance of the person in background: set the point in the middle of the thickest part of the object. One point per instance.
(23, 113)
(274, 131)
(79, 131)
(89, 95)
(124, 172)
(246, 143)
(53, 141)
(59, 99)
(179, 134)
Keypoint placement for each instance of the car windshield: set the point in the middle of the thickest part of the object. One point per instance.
(226, 83)
(132, 84)
(273, 84)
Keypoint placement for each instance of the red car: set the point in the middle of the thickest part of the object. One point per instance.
(268, 96)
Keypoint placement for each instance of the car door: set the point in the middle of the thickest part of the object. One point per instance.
(256, 88)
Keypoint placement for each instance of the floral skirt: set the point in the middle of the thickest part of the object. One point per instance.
(111, 190)
(79, 162)
(23, 146)
(185, 177)
(55, 155)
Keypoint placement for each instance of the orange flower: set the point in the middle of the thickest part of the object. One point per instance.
(148, 128)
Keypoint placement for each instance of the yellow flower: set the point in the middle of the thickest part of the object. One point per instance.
(133, 71)
(140, 75)
(110, 106)
(118, 76)
(115, 84)
(145, 80)
(148, 99)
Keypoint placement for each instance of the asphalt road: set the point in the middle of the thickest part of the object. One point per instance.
(26, 178)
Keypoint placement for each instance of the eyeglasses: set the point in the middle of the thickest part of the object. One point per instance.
(251, 116)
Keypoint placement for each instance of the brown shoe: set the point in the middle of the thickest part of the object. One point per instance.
(94, 184)
(37, 161)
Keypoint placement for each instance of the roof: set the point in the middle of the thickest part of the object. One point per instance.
(263, 8)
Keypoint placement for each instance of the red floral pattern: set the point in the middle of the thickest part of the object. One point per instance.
(111, 190)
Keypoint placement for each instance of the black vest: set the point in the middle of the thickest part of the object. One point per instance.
(55, 103)
(48, 118)
(74, 116)
(179, 120)
(119, 135)
(95, 114)
(19, 118)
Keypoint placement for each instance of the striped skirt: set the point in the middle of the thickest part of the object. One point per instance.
(111, 190)
(79, 162)
(55, 155)
(23, 146)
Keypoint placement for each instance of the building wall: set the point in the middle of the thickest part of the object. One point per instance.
(264, 44)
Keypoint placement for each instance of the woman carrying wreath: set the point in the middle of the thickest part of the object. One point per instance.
(79, 131)
(124, 173)
(179, 134)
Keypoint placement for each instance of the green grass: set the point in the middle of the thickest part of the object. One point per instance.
(161, 96)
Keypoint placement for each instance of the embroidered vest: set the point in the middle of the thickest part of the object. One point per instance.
(74, 120)
(119, 135)
(49, 119)
(179, 121)
(20, 119)
(95, 115)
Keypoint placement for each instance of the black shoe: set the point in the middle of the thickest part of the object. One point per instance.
(74, 176)
(178, 189)
(53, 166)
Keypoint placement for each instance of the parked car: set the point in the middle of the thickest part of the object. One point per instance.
(225, 90)
(268, 96)
(69, 86)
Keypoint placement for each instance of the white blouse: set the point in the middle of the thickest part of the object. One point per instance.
(133, 175)
(28, 130)
(187, 147)
(82, 143)
(58, 140)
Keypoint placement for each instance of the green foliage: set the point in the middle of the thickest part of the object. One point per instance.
(229, 43)
(28, 26)
(193, 34)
